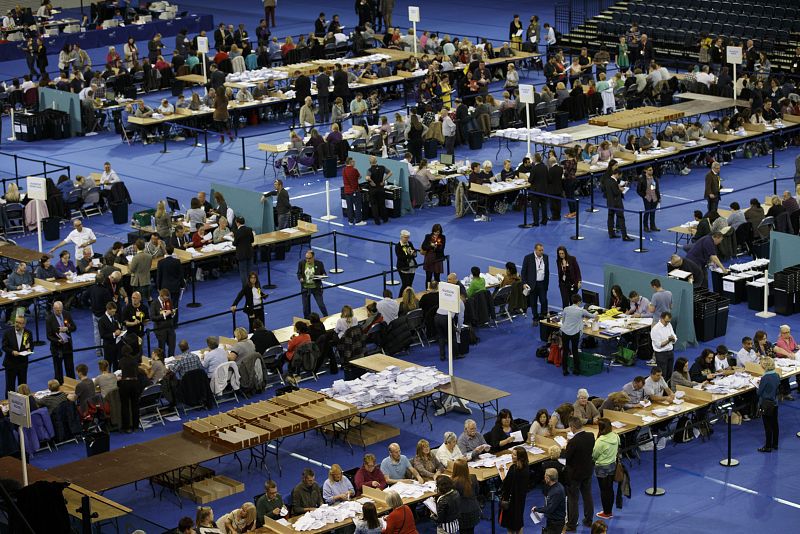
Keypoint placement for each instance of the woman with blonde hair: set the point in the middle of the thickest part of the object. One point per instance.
(12, 193)
(408, 301)
(337, 488)
(615, 401)
(240, 520)
(204, 517)
(222, 230)
(345, 321)
(163, 221)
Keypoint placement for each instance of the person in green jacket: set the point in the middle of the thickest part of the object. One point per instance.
(604, 455)
(270, 504)
(477, 283)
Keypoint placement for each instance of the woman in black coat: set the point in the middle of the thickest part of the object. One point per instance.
(253, 300)
(433, 248)
(513, 492)
(406, 256)
(618, 299)
(41, 56)
(447, 505)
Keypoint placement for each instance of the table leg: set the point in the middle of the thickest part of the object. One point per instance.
(269, 285)
(194, 303)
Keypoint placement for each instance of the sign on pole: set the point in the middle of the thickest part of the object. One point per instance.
(733, 55)
(526, 96)
(449, 296)
(202, 46)
(19, 411)
(413, 13)
(37, 190)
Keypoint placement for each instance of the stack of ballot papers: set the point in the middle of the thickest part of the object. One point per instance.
(786, 363)
(413, 489)
(212, 247)
(728, 384)
(490, 279)
(503, 186)
(390, 385)
(755, 265)
(326, 514)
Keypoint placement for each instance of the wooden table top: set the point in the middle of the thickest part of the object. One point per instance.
(18, 253)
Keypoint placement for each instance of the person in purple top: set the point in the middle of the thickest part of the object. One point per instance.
(704, 251)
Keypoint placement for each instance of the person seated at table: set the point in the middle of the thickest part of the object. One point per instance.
(635, 392)
(487, 173)
(408, 302)
(615, 401)
(426, 463)
(157, 369)
(222, 230)
(618, 299)
(721, 362)
(681, 375)
(64, 264)
(205, 520)
(471, 442)
(307, 495)
(269, 504)
(448, 451)
(23, 389)
(396, 466)
(300, 337)
(475, 174)
(201, 237)
(45, 271)
(337, 487)
(508, 172)
(106, 380)
(585, 410)
(20, 277)
(401, 519)
(476, 283)
(703, 370)
(215, 356)
(369, 475)
(656, 388)
(540, 425)
(559, 419)
(500, 436)
(240, 520)
(179, 240)
(263, 338)
(55, 397)
(640, 306)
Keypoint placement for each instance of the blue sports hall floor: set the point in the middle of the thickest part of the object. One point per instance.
(701, 495)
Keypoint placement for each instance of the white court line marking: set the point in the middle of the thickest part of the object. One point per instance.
(331, 252)
(308, 195)
(327, 222)
(679, 198)
(352, 290)
(749, 491)
(370, 261)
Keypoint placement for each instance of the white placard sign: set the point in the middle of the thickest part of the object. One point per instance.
(449, 296)
(202, 45)
(526, 93)
(37, 188)
(19, 409)
(733, 54)
(413, 14)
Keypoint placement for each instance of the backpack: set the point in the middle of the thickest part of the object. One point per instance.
(554, 356)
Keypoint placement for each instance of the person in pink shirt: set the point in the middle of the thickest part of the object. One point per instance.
(786, 347)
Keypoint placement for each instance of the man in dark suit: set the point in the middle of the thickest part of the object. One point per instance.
(323, 94)
(713, 183)
(555, 187)
(135, 317)
(307, 270)
(319, 25)
(613, 193)
(340, 86)
(243, 238)
(579, 469)
(219, 36)
(110, 332)
(302, 87)
(60, 326)
(163, 313)
(16, 341)
(536, 275)
(538, 179)
(462, 122)
(169, 275)
(645, 53)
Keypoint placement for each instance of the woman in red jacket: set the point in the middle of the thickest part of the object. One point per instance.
(401, 519)
(569, 276)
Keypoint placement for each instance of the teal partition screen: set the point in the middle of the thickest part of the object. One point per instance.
(62, 101)
(399, 176)
(639, 281)
(784, 251)
(247, 203)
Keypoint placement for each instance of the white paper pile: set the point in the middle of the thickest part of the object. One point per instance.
(413, 489)
(490, 279)
(390, 385)
(728, 384)
(258, 75)
(363, 60)
(326, 514)
(755, 265)
(486, 459)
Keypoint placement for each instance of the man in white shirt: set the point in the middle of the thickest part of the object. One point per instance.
(388, 307)
(87, 92)
(656, 388)
(721, 359)
(549, 34)
(109, 175)
(166, 108)
(411, 169)
(27, 83)
(663, 338)
(705, 77)
(81, 237)
(746, 354)
(448, 131)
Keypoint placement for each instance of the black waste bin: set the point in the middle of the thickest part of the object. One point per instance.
(705, 311)
(119, 212)
(721, 318)
(51, 228)
(562, 120)
(755, 297)
(392, 196)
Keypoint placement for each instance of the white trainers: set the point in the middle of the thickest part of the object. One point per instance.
(686, 170)
(652, 362)
(361, 223)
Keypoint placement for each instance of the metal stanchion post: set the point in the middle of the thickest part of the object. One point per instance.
(729, 462)
(447, 259)
(205, 145)
(525, 211)
(384, 288)
(164, 151)
(773, 165)
(591, 208)
(336, 269)
(641, 233)
(194, 303)
(774, 186)
(269, 285)
(577, 236)
(244, 166)
(655, 491)
(392, 282)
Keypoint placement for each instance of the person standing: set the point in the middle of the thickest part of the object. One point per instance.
(283, 206)
(60, 326)
(579, 474)
(387, 6)
(604, 454)
(713, 186)
(571, 329)
(661, 301)
(163, 313)
(555, 188)
(514, 490)
(309, 273)
(569, 275)
(433, 249)
(570, 166)
(376, 178)
(554, 509)
(767, 401)
(538, 179)
(352, 193)
(648, 188)
(139, 268)
(323, 94)
(17, 346)
(269, 11)
(110, 332)
(243, 238)
(614, 202)
(536, 276)
(221, 115)
(663, 339)
(406, 261)
(253, 301)
(82, 238)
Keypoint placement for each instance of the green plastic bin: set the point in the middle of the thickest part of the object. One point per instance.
(591, 364)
